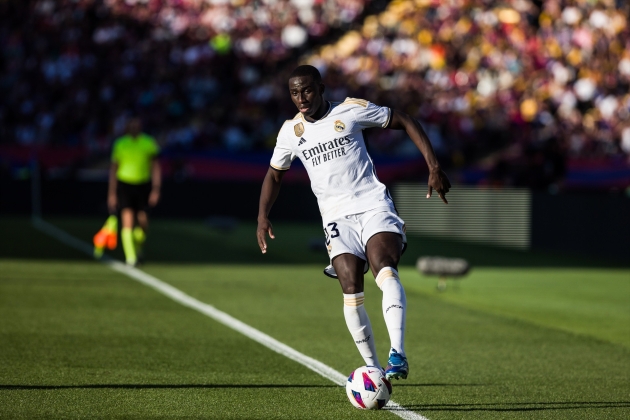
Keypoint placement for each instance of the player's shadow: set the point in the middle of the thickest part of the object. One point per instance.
(517, 406)
(158, 386)
(432, 384)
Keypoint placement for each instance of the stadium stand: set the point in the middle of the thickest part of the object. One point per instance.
(540, 84)
(266, 29)
(504, 88)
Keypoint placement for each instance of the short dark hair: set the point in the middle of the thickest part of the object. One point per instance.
(306, 70)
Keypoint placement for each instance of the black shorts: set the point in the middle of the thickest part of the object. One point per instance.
(134, 196)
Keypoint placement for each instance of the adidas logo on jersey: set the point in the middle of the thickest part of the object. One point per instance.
(302, 141)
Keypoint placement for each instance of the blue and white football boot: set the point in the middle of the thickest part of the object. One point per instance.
(397, 366)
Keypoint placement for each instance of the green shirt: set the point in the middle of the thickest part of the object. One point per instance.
(134, 157)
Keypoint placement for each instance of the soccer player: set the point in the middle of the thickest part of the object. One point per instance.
(134, 185)
(359, 218)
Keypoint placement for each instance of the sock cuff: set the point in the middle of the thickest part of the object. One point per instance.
(354, 300)
(386, 273)
(138, 234)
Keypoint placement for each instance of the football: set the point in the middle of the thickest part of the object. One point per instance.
(368, 389)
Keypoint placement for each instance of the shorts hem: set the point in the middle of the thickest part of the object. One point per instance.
(402, 235)
(385, 207)
(356, 254)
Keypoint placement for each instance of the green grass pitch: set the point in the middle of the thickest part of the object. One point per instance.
(524, 336)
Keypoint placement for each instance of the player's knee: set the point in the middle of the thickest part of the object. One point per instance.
(127, 217)
(382, 263)
(385, 274)
(350, 286)
(349, 282)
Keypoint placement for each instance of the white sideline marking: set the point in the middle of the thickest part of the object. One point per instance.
(212, 312)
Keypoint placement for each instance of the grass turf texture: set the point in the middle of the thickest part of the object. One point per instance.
(524, 336)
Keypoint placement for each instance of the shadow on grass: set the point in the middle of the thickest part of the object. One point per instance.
(525, 406)
(434, 384)
(154, 386)
(190, 242)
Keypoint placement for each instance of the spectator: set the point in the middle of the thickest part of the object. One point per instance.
(491, 79)
(499, 73)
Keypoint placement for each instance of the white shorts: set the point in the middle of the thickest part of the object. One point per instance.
(350, 234)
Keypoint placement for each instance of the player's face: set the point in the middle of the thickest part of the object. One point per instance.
(306, 94)
(134, 127)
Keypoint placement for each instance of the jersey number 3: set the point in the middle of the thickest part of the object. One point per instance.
(333, 232)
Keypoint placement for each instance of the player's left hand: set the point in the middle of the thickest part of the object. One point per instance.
(439, 182)
(264, 228)
(154, 197)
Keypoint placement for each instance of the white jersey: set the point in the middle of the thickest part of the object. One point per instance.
(333, 152)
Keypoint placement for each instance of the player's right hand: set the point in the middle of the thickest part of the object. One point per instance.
(112, 203)
(264, 228)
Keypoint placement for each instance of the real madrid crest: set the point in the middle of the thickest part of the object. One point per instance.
(299, 129)
(339, 126)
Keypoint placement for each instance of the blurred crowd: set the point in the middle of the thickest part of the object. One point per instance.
(258, 28)
(515, 86)
(538, 81)
(202, 74)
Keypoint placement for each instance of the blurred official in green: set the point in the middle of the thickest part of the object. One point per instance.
(135, 180)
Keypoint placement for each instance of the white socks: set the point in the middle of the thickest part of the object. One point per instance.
(394, 306)
(360, 328)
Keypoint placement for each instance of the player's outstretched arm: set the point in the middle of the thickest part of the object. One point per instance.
(438, 180)
(268, 195)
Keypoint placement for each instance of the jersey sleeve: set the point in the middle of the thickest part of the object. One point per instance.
(369, 114)
(116, 151)
(154, 149)
(283, 153)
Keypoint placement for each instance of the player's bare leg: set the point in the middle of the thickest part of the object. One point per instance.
(143, 220)
(349, 270)
(126, 234)
(383, 252)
